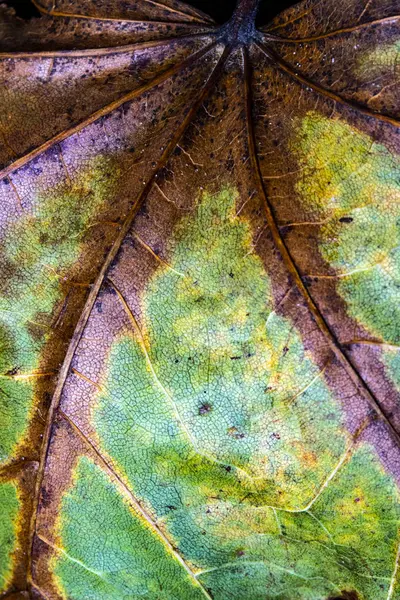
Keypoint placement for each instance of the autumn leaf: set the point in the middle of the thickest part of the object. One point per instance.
(200, 302)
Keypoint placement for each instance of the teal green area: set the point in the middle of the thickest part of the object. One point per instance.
(392, 361)
(37, 252)
(112, 554)
(346, 541)
(9, 506)
(224, 429)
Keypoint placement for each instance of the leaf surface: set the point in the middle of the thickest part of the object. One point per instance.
(200, 372)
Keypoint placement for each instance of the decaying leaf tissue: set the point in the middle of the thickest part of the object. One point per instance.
(200, 302)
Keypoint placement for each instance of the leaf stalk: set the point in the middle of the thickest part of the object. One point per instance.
(246, 10)
(241, 28)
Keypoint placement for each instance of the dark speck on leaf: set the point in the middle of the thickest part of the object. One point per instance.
(205, 409)
(233, 432)
(13, 371)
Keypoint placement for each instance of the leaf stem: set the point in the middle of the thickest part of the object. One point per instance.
(241, 27)
(246, 10)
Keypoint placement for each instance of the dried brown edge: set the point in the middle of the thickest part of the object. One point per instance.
(333, 343)
(60, 137)
(97, 285)
(328, 34)
(197, 19)
(105, 51)
(283, 66)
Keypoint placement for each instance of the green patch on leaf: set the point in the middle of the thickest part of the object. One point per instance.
(217, 377)
(346, 540)
(38, 250)
(9, 506)
(227, 434)
(109, 551)
(353, 183)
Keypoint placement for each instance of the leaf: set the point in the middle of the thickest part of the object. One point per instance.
(199, 302)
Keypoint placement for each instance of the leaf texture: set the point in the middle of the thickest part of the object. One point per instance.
(200, 372)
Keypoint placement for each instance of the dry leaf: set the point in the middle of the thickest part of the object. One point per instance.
(200, 302)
